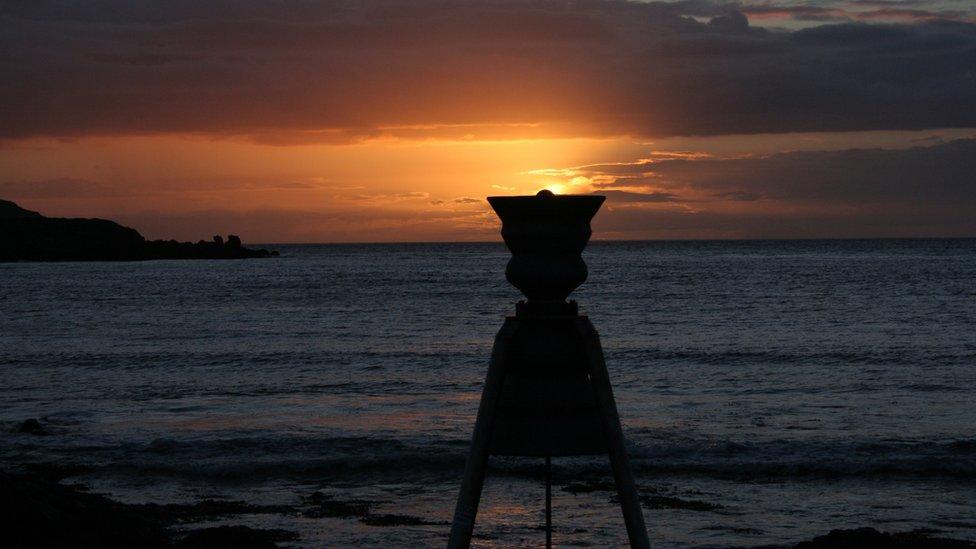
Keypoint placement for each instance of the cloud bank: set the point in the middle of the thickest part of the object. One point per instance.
(919, 191)
(342, 71)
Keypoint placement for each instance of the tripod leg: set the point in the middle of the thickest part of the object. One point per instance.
(622, 476)
(548, 502)
(474, 468)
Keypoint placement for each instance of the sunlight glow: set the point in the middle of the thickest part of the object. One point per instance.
(556, 188)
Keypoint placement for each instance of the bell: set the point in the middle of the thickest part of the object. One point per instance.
(546, 406)
(547, 393)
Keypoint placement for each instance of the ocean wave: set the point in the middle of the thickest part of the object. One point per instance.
(786, 458)
(872, 357)
(129, 358)
(352, 458)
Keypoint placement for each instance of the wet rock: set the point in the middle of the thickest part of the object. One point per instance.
(650, 501)
(54, 472)
(210, 509)
(32, 427)
(398, 520)
(326, 506)
(234, 537)
(869, 538)
(39, 513)
(161, 446)
(322, 505)
(964, 446)
(589, 486)
(668, 502)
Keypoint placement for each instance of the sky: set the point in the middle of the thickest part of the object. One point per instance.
(366, 121)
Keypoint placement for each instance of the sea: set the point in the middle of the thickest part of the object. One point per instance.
(770, 391)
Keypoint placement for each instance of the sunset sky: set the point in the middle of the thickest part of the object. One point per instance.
(391, 121)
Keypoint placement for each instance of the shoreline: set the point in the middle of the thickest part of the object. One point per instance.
(43, 512)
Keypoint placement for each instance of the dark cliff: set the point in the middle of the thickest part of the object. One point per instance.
(29, 236)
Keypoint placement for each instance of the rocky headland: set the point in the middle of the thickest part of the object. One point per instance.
(29, 236)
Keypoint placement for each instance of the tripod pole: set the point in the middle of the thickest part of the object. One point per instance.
(548, 502)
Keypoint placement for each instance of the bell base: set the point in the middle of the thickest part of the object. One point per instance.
(547, 409)
(576, 433)
(547, 394)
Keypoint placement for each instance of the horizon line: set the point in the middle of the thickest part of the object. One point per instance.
(622, 241)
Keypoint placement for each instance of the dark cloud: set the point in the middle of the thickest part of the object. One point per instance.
(831, 10)
(919, 191)
(757, 224)
(844, 11)
(739, 196)
(339, 71)
(922, 176)
(929, 139)
(629, 196)
(888, 3)
(909, 14)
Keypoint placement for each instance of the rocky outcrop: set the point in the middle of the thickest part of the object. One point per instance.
(30, 236)
(40, 513)
(869, 538)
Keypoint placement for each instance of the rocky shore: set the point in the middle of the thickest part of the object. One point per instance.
(29, 236)
(42, 513)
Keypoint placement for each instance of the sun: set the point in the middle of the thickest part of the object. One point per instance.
(556, 188)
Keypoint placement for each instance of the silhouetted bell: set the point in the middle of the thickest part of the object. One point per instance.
(546, 407)
(546, 235)
(547, 393)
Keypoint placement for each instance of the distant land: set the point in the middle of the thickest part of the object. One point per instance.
(29, 236)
